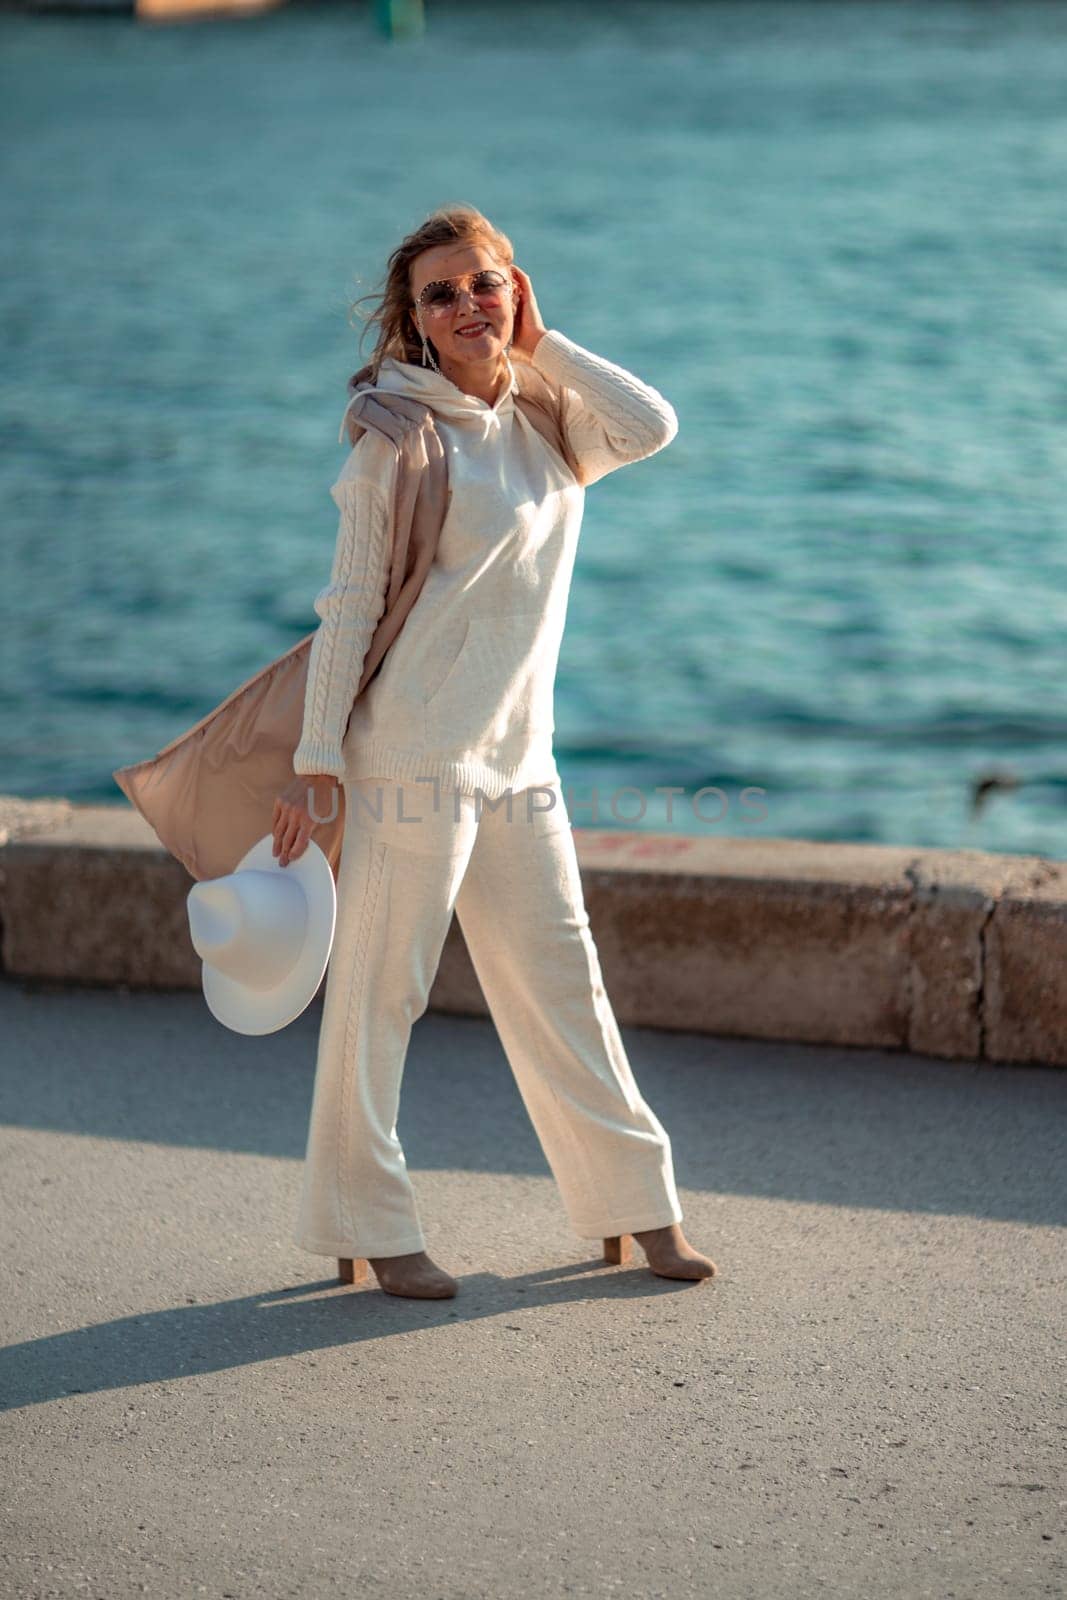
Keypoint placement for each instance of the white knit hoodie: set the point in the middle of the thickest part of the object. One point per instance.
(465, 691)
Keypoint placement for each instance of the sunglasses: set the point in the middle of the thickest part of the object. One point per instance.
(441, 296)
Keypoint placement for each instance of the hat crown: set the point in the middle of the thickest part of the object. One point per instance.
(250, 925)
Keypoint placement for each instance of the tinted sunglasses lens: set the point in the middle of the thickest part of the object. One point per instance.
(439, 297)
(489, 287)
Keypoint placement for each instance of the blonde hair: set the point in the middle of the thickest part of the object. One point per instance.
(449, 224)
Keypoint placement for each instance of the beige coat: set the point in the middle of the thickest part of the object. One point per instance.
(209, 794)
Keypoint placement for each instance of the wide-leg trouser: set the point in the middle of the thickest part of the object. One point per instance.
(412, 855)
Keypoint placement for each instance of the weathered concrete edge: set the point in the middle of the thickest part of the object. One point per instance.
(957, 954)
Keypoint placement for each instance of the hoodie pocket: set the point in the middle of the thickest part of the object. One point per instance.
(496, 695)
(451, 672)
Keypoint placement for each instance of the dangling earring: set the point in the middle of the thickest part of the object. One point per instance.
(427, 356)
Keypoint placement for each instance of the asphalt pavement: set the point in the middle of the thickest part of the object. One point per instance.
(868, 1400)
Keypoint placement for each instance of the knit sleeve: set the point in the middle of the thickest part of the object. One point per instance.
(349, 606)
(611, 417)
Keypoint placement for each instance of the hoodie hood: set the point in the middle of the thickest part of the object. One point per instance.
(442, 396)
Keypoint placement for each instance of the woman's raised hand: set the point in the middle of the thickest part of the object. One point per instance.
(293, 822)
(528, 324)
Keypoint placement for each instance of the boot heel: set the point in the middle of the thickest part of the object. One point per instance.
(618, 1251)
(352, 1269)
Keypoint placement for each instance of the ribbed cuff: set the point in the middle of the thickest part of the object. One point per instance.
(550, 347)
(314, 756)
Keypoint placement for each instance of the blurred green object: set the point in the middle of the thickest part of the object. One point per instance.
(398, 17)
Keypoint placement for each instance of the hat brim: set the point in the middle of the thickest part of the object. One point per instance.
(258, 1011)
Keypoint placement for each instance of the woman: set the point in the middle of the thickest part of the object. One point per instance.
(453, 798)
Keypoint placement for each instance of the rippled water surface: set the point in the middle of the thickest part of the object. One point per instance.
(833, 235)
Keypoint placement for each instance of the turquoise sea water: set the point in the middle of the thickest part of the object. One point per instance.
(832, 234)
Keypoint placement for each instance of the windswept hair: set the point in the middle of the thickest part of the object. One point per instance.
(397, 337)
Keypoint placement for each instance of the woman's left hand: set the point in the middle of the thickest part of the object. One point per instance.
(529, 327)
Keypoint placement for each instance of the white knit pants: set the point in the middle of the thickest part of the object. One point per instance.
(513, 882)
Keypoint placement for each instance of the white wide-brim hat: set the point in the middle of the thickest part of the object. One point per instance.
(264, 933)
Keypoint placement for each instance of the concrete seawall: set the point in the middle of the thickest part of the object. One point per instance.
(958, 954)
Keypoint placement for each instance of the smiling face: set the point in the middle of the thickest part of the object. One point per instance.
(473, 357)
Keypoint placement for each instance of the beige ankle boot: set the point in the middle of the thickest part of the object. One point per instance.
(413, 1275)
